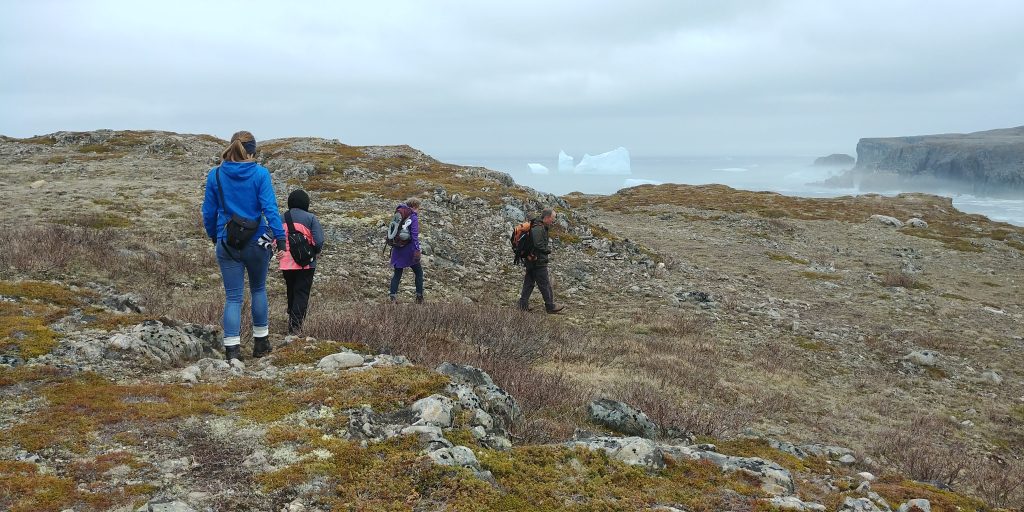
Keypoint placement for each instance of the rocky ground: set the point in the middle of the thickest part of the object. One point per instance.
(787, 354)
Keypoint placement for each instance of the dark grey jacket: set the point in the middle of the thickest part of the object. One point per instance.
(541, 246)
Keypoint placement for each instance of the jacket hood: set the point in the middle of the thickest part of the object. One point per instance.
(239, 170)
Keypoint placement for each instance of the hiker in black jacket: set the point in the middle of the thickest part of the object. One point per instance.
(537, 265)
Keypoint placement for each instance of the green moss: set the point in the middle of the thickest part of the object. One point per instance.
(774, 256)
(384, 389)
(41, 291)
(810, 344)
(76, 407)
(97, 220)
(899, 490)
(23, 332)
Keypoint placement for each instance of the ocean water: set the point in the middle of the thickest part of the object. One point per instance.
(791, 175)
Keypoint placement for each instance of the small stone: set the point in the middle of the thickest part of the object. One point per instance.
(887, 220)
(867, 477)
(915, 222)
(847, 460)
(917, 505)
(340, 361)
(191, 374)
(37, 184)
(923, 357)
(991, 378)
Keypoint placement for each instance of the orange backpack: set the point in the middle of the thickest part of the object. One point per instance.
(522, 243)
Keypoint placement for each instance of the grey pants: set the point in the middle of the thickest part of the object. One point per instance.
(538, 277)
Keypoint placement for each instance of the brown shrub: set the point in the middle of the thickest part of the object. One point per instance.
(927, 450)
(489, 337)
(673, 415)
(999, 482)
(902, 280)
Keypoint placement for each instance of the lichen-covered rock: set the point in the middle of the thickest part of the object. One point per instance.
(434, 410)
(858, 505)
(796, 504)
(465, 374)
(152, 343)
(635, 451)
(917, 223)
(502, 406)
(621, 417)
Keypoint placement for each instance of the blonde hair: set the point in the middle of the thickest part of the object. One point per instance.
(413, 202)
(235, 151)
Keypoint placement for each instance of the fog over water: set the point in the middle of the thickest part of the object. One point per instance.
(790, 175)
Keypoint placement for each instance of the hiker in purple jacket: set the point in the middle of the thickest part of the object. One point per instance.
(408, 256)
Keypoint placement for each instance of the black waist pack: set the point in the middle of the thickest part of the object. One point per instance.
(239, 229)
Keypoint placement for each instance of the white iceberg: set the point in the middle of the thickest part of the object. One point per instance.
(566, 163)
(615, 161)
(538, 169)
(633, 182)
(731, 169)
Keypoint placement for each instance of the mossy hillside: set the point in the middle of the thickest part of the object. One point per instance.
(541, 478)
(946, 224)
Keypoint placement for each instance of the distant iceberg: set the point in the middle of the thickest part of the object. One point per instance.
(731, 169)
(633, 182)
(565, 162)
(615, 161)
(538, 169)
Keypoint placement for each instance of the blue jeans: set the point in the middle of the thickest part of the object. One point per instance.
(417, 270)
(234, 264)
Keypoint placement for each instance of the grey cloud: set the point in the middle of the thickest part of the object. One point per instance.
(458, 77)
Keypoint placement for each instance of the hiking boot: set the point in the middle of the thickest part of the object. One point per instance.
(392, 299)
(260, 347)
(232, 352)
(419, 299)
(523, 306)
(555, 309)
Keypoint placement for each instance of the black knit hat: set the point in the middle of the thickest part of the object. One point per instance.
(298, 199)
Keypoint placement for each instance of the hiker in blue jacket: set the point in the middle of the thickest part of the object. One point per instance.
(241, 187)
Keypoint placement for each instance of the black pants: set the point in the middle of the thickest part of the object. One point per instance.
(396, 279)
(538, 277)
(299, 283)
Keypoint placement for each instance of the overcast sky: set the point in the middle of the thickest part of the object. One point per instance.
(460, 78)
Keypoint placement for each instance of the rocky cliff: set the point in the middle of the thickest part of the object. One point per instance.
(984, 162)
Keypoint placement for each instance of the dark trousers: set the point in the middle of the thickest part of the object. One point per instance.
(417, 270)
(539, 277)
(299, 283)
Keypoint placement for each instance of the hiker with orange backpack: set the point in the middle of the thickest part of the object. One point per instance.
(530, 242)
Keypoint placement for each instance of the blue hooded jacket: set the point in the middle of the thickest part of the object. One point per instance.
(248, 192)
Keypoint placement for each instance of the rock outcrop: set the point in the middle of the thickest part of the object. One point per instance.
(982, 162)
(835, 160)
